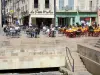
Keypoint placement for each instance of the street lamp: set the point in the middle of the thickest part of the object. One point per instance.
(77, 15)
(0, 13)
(54, 12)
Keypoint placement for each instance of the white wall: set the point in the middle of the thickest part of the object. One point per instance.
(85, 5)
(98, 3)
(75, 4)
(57, 4)
(41, 8)
(65, 2)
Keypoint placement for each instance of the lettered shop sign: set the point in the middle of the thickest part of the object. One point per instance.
(41, 12)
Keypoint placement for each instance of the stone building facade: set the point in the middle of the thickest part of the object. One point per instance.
(76, 11)
(41, 12)
(31, 11)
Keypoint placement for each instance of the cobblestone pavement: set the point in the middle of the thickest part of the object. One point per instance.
(43, 40)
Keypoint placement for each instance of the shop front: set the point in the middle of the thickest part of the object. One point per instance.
(71, 18)
(88, 18)
(40, 18)
(65, 18)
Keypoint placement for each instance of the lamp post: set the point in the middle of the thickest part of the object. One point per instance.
(13, 12)
(0, 13)
(54, 12)
(0, 16)
(3, 12)
(77, 15)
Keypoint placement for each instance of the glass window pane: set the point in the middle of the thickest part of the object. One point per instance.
(61, 4)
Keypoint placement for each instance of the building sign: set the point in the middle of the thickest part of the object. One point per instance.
(41, 12)
(99, 16)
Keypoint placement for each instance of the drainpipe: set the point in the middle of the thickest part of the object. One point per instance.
(13, 13)
(78, 15)
(0, 16)
(4, 12)
(98, 12)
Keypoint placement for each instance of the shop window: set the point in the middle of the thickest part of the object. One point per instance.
(61, 4)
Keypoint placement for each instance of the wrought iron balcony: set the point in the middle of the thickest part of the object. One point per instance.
(78, 8)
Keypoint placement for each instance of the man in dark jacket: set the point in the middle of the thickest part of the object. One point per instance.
(91, 31)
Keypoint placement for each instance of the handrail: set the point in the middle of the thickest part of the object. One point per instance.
(72, 65)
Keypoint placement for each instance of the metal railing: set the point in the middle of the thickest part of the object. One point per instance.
(71, 64)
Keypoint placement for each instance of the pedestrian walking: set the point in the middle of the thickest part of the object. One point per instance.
(48, 32)
(17, 29)
(44, 29)
(36, 32)
(53, 32)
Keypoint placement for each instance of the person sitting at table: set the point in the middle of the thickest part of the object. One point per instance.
(17, 29)
(64, 31)
(78, 32)
(91, 31)
(12, 31)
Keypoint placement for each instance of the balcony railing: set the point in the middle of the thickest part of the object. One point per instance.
(78, 8)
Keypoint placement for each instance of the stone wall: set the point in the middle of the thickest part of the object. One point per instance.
(12, 58)
(91, 58)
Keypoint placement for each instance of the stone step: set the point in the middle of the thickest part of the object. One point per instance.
(79, 66)
(83, 73)
(77, 60)
(80, 70)
(98, 46)
(97, 43)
